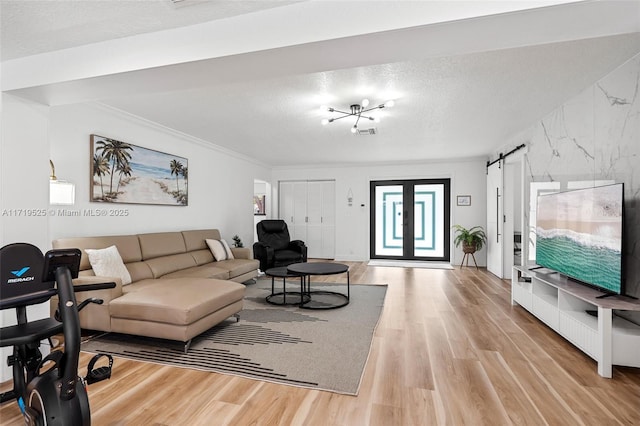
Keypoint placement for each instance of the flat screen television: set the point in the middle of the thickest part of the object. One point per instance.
(579, 233)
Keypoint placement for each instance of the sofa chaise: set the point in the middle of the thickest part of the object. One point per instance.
(177, 290)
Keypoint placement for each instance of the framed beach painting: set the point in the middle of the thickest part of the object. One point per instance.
(125, 173)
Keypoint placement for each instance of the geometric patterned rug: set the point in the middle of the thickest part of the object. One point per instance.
(319, 349)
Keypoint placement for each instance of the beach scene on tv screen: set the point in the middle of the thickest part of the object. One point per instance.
(579, 234)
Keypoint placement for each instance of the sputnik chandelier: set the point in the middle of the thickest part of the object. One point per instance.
(357, 110)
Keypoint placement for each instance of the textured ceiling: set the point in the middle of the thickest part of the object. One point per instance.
(462, 88)
(29, 27)
(445, 107)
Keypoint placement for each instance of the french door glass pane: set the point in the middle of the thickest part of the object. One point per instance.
(428, 220)
(389, 225)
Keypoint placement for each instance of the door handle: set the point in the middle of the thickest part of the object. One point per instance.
(497, 215)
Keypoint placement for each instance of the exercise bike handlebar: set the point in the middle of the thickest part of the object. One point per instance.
(71, 330)
(27, 299)
(93, 287)
(68, 308)
(85, 302)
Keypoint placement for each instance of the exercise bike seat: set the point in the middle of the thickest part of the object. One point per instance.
(30, 332)
(21, 285)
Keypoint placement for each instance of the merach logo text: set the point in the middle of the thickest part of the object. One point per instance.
(19, 273)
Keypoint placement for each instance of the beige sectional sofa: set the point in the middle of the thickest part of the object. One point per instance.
(178, 289)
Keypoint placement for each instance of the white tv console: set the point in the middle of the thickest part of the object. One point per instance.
(562, 304)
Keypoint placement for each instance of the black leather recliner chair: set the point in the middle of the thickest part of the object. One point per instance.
(275, 248)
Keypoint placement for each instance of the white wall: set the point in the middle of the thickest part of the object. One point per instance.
(352, 223)
(24, 194)
(24, 170)
(221, 184)
(591, 137)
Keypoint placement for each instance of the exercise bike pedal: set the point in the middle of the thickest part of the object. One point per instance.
(95, 375)
(32, 417)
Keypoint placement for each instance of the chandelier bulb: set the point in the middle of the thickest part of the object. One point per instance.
(325, 121)
(389, 103)
(365, 103)
(354, 128)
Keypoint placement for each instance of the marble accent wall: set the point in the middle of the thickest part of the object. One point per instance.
(595, 136)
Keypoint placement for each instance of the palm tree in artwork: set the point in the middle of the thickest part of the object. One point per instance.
(176, 169)
(100, 168)
(123, 169)
(116, 153)
(185, 176)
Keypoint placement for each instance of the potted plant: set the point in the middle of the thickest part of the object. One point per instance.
(472, 239)
(237, 242)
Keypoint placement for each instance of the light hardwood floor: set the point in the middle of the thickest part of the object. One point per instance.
(449, 349)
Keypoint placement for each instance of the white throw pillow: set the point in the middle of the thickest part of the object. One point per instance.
(217, 249)
(227, 249)
(108, 263)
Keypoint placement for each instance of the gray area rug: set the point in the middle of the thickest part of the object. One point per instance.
(320, 349)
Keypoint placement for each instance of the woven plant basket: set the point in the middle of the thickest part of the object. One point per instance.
(468, 248)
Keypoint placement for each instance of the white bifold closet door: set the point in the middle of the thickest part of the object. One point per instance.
(309, 208)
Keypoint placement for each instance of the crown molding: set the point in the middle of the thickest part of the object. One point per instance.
(176, 133)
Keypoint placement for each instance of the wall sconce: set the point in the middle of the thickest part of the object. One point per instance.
(350, 197)
(60, 192)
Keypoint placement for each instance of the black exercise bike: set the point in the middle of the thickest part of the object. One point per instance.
(57, 396)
